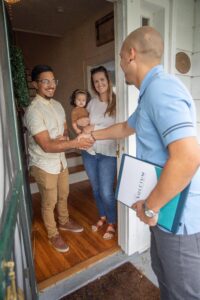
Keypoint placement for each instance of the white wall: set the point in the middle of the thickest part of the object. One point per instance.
(186, 38)
(184, 35)
(195, 81)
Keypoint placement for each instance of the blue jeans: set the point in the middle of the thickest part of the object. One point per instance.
(101, 170)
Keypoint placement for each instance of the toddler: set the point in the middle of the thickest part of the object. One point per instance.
(79, 99)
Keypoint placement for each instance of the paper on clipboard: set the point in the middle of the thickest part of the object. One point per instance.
(136, 180)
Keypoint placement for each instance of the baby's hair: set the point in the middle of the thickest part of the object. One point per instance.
(79, 91)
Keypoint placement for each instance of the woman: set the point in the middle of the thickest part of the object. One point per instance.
(101, 164)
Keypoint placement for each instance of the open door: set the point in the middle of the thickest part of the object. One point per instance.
(134, 235)
(16, 265)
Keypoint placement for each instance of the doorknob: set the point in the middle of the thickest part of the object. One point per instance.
(118, 152)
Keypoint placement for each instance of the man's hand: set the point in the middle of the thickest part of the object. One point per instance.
(139, 209)
(85, 136)
(84, 143)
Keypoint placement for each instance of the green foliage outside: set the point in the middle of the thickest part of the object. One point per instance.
(19, 77)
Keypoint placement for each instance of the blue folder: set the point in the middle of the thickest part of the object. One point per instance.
(170, 214)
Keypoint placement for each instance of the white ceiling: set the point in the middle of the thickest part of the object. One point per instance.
(53, 17)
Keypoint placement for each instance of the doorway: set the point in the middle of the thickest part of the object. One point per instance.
(61, 50)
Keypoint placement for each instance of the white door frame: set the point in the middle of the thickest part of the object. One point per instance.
(133, 235)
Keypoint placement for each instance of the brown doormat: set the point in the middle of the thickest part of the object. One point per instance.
(122, 283)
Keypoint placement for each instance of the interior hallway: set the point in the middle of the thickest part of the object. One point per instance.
(86, 248)
(90, 256)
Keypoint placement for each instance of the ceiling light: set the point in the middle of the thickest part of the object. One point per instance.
(12, 1)
(9, 5)
(60, 9)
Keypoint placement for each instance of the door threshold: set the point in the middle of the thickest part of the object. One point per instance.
(53, 280)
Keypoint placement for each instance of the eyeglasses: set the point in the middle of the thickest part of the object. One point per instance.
(48, 82)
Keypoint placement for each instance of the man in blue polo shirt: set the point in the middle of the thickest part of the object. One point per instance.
(164, 124)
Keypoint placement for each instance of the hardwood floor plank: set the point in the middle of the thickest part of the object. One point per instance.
(85, 248)
(82, 266)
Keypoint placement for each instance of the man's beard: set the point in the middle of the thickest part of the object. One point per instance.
(47, 98)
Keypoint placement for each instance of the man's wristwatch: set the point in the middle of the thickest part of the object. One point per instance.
(149, 212)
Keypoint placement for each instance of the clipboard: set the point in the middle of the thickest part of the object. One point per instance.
(136, 180)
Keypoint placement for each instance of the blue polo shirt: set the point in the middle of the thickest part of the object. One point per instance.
(166, 113)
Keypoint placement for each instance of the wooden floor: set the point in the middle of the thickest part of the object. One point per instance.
(86, 248)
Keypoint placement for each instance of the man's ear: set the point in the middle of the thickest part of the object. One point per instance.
(35, 84)
(132, 54)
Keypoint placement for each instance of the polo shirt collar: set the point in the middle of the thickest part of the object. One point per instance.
(43, 100)
(148, 79)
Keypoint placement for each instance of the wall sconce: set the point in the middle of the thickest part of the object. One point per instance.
(9, 5)
(12, 1)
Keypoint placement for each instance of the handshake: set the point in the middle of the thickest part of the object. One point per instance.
(85, 140)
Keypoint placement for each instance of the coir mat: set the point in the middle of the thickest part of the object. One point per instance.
(122, 283)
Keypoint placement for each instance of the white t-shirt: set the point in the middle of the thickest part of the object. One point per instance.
(96, 109)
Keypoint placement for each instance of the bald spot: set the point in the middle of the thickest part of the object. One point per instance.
(147, 42)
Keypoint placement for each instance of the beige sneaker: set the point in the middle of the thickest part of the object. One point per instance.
(58, 243)
(71, 226)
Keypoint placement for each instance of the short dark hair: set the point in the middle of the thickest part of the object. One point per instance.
(79, 91)
(38, 69)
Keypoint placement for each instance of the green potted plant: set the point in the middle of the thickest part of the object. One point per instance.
(19, 78)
